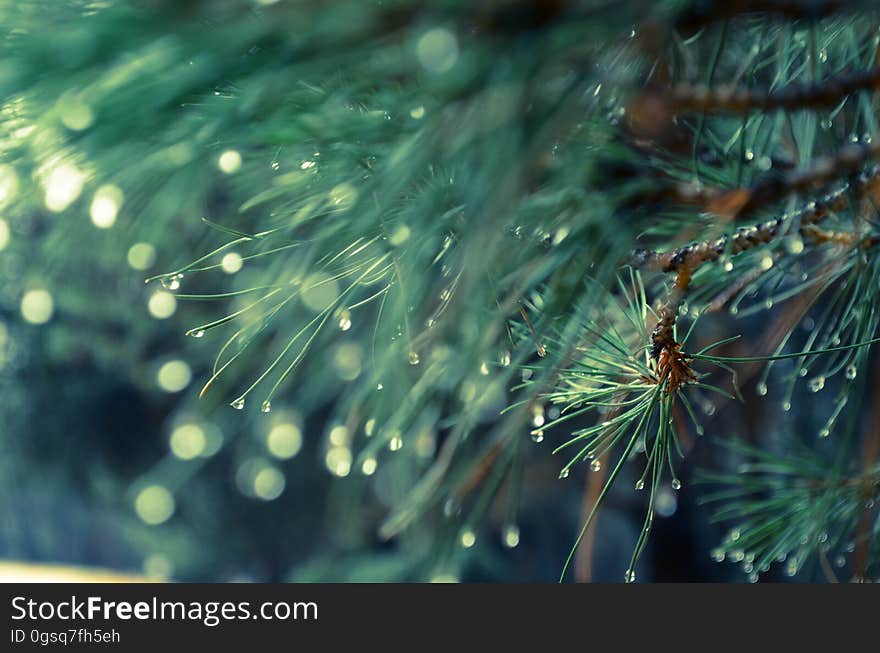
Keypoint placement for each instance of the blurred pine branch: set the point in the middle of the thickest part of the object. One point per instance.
(412, 224)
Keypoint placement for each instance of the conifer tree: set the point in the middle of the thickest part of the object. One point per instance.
(449, 244)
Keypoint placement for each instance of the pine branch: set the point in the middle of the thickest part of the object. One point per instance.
(703, 12)
(687, 259)
(793, 97)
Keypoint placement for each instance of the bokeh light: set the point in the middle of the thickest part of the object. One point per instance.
(105, 206)
(284, 440)
(162, 305)
(437, 50)
(63, 184)
(37, 306)
(154, 504)
(229, 162)
(173, 376)
(141, 256)
(188, 441)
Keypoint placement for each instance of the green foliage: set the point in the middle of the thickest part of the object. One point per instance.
(409, 223)
(787, 510)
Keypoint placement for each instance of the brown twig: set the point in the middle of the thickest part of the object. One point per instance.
(870, 455)
(700, 14)
(583, 563)
(684, 261)
(690, 257)
(729, 99)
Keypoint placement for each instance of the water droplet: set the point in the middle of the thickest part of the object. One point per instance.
(538, 436)
(717, 554)
(851, 371)
(728, 266)
(816, 383)
(640, 485)
(379, 387)
(231, 262)
(368, 467)
(468, 539)
(676, 484)
(413, 358)
(538, 415)
(630, 576)
(840, 561)
(511, 536)
(266, 407)
(344, 321)
(504, 359)
(395, 443)
(761, 388)
(665, 502)
(238, 404)
(196, 333)
(824, 432)
(484, 369)
(596, 465)
(564, 473)
(172, 282)
(823, 55)
(786, 406)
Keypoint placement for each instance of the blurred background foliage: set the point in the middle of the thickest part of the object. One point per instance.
(382, 215)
